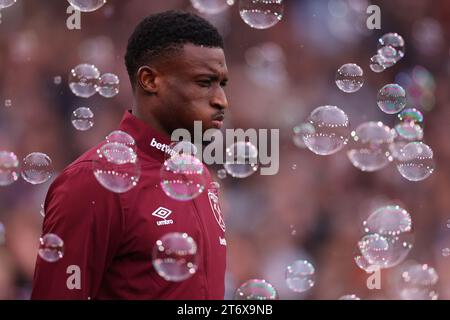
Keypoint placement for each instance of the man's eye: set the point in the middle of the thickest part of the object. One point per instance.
(205, 83)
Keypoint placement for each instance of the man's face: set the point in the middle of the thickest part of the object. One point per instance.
(191, 88)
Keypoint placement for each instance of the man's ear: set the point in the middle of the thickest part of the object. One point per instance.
(147, 79)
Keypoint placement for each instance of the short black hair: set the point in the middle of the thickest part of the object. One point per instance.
(167, 32)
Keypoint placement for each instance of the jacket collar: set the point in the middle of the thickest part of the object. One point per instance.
(148, 140)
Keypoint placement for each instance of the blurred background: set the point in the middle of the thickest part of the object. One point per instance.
(315, 206)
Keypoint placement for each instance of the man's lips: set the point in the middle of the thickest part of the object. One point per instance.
(217, 120)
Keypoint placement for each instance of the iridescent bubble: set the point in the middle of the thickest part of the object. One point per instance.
(83, 80)
(175, 256)
(221, 173)
(37, 168)
(385, 251)
(376, 64)
(8, 103)
(446, 252)
(416, 161)
(350, 297)
(391, 98)
(370, 146)
(389, 56)
(117, 167)
(183, 177)
(261, 14)
(389, 220)
(331, 130)
(395, 41)
(211, 6)
(241, 159)
(51, 247)
(300, 131)
(300, 276)
(108, 85)
(82, 118)
(122, 137)
(409, 130)
(87, 5)
(9, 168)
(417, 282)
(349, 78)
(256, 289)
(6, 3)
(411, 115)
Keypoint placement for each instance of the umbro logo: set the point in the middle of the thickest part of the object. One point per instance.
(162, 213)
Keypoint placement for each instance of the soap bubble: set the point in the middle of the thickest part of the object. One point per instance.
(241, 159)
(261, 14)
(211, 6)
(9, 168)
(87, 5)
(108, 85)
(82, 118)
(183, 177)
(409, 130)
(51, 247)
(416, 161)
(395, 41)
(390, 220)
(300, 276)
(385, 251)
(117, 167)
(121, 137)
(331, 130)
(37, 168)
(256, 289)
(83, 80)
(221, 173)
(389, 56)
(411, 115)
(391, 98)
(370, 146)
(175, 256)
(376, 64)
(349, 78)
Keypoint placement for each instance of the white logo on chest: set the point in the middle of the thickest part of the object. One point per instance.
(162, 213)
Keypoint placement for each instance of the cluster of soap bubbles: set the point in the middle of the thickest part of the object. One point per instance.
(258, 14)
(391, 48)
(85, 80)
(117, 167)
(373, 145)
(36, 168)
(87, 5)
(387, 239)
(299, 276)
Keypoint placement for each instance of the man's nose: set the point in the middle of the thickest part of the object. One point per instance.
(219, 99)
